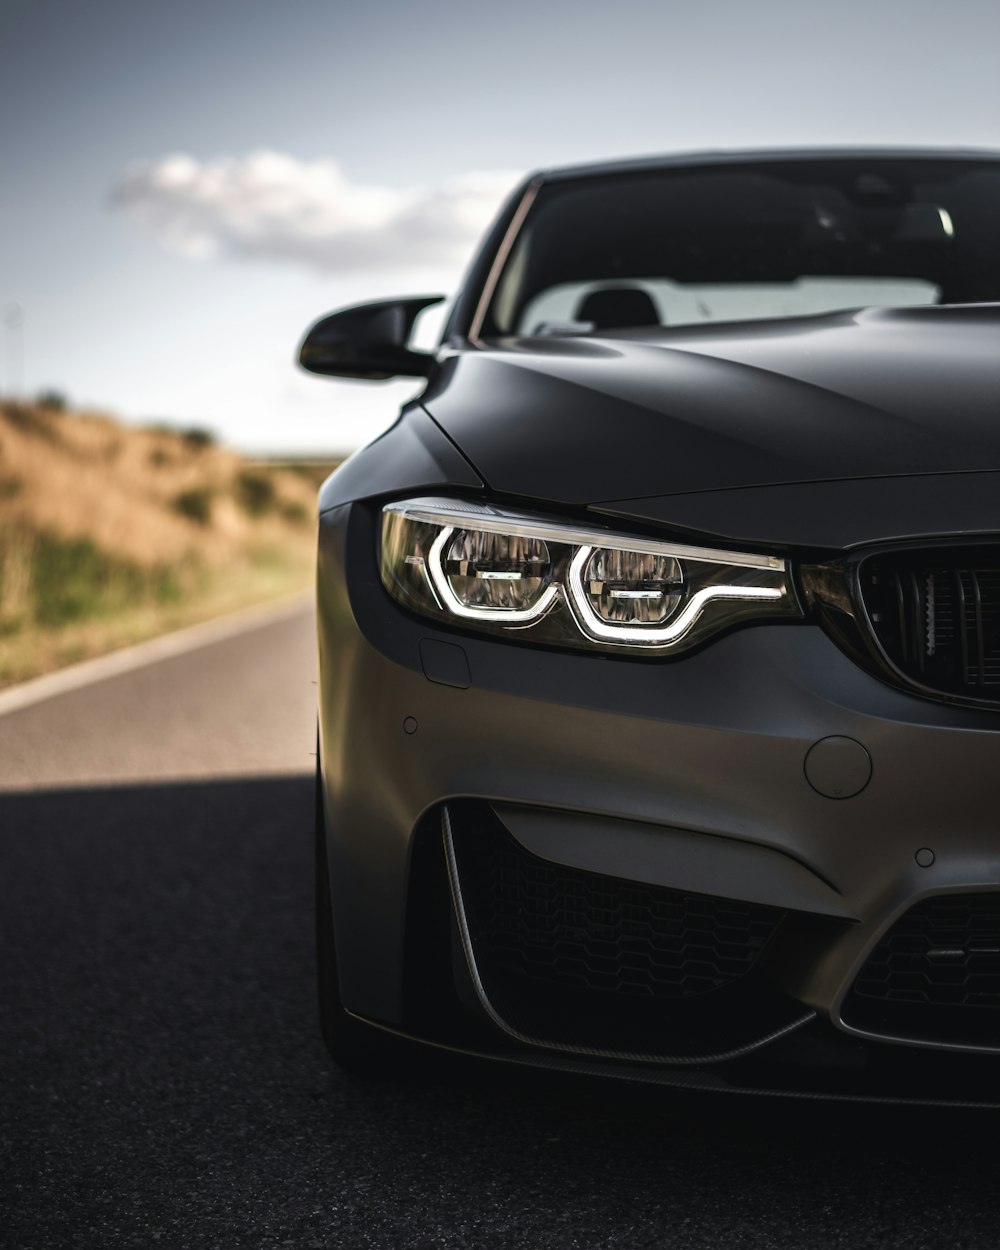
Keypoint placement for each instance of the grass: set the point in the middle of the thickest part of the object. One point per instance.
(255, 491)
(112, 534)
(72, 580)
(196, 504)
(27, 653)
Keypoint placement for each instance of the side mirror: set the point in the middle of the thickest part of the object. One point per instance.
(368, 341)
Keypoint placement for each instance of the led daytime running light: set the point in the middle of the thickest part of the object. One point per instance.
(652, 634)
(455, 605)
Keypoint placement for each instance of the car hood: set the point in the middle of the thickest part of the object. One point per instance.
(654, 414)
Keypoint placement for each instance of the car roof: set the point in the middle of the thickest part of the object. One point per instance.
(598, 169)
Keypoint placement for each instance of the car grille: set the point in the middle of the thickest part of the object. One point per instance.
(579, 955)
(936, 616)
(936, 974)
(564, 926)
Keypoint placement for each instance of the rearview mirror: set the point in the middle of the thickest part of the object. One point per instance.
(368, 341)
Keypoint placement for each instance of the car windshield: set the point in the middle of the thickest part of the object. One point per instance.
(745, 241)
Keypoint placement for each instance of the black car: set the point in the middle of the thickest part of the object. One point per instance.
(659, 638)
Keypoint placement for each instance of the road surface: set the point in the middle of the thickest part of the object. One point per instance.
(162, 1080)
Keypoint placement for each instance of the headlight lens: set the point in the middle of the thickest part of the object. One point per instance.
(482, 575)
(499, 571)
(632, 587)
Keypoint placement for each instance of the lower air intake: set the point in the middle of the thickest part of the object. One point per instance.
(607, 963)
(935, 976)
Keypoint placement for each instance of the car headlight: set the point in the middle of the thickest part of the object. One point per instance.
(498, 571)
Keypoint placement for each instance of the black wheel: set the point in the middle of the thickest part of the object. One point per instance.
(353, 1045)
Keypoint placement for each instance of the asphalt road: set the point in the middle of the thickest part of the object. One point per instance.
(162, 1082)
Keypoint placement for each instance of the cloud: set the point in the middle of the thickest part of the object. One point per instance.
(268, 206)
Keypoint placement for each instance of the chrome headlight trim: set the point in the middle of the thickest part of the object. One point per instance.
(494, 520)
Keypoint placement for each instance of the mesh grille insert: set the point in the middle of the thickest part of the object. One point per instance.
(936, 974)
(582, 958)
(564, 926)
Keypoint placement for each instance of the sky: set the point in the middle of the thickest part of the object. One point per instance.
(187, 186)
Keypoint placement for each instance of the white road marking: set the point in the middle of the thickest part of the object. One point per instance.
(151, 652)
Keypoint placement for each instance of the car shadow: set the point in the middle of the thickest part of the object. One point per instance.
(163, 1080)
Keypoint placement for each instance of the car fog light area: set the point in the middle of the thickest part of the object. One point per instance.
(561, 583)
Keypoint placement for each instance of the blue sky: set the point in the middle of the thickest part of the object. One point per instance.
(166, 289)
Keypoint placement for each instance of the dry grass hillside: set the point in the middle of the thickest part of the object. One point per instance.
(111, 533)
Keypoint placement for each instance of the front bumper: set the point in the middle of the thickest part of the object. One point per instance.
(692, 773)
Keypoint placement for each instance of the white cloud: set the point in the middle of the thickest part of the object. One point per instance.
(269, 206)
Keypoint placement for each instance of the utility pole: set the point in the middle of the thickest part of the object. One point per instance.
(13, 321)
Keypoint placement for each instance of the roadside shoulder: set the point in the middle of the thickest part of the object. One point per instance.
(154, 650)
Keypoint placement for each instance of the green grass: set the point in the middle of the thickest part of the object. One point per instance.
(48, 581)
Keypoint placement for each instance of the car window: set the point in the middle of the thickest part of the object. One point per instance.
(555, 311)
(789, 238)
